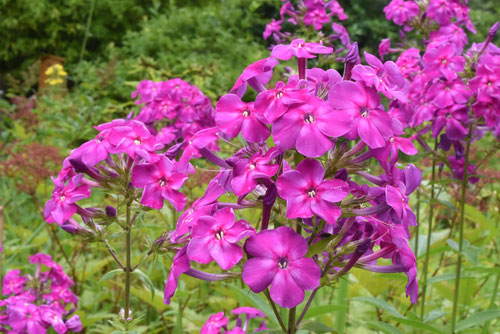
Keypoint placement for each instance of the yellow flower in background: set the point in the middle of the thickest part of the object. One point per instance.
(55, 74)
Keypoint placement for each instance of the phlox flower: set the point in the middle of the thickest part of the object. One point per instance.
(215, 237)
(13, 282)
(300, 49)
(134, 139)
(273, 103)
(257, 75)
(180, 265)
(401, 11)
(26, 317)
(361, 106)
(307, 193)
(308, 127)
(453, 119)
(160, 181)
(214, 324)
(272, 27)
(447, 93)
(384, 77)
(203, 206)
(62, 205)
(199, 140)
(443, 60)
(277, 260)
(248, 171)
(316, 17)
(341, 34)
(336, 9)
(441, 11)
(234, 116)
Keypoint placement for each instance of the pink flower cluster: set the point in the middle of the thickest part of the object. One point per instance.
(179, 108)
(410, 13)
(218, 322)
(315, 13)
(34, 303)
(451, 90)
(324, 128)
(176, 117)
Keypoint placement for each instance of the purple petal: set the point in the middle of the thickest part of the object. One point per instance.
(226, 254)
(305, 272)
(311, 142)
(284, 291)
(258, 273)
(328, 211)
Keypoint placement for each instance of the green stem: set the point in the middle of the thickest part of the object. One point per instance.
(291, 320)
(127, 263)
(418, 224)
(87, 29)
(275, 310)
(465, 181)
(492, 303)
(429, 234)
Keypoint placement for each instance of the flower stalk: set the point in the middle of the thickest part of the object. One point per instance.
(465, 181)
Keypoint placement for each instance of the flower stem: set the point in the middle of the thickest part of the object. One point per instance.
(128, 263)
(291, 320)
(429, 234)
(275, 310)
(465, 181)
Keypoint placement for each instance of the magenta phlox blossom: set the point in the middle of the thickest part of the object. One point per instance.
(450, 33)
(336, 9)
(205, 205)
(13, 282)
(453, 119)
(247, 172)
(409, 62)
(234, 116)
(361, 106)
(273, 103)
(443, 59)
(277, 260)
(257, 75)
(199, 140)
(271, 28)
(401, 11)
(341, 34)
(486, 83)
(214, 324)
(216, 237)
(62, 205)
(54, 318)
(300, 49)
(447, 93)
(307, 193)
(25, 317)
(308, 127)
(316, 17)
(160, 181)
(441, 11)
(134, 139)
(384, 77)
(390, 152)
(180, 265)
(93, 151)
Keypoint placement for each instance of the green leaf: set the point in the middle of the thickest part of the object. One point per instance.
(317, 327)
(319, 246)
(478, 319)
(324, 309)
(417, 324)
(385, 327)
(380, 304)
(271, 331)
(146, 280)
(110, 274)
(469, 251)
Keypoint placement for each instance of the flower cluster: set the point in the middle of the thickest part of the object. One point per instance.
(311, 13)
(218, 322)
(36, 302)
(454, 89)
(426, 15)
(311, 180)
(178, 108)
(134, 151)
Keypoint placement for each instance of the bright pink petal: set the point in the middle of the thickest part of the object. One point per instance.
(258, 273)
(284, 291)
